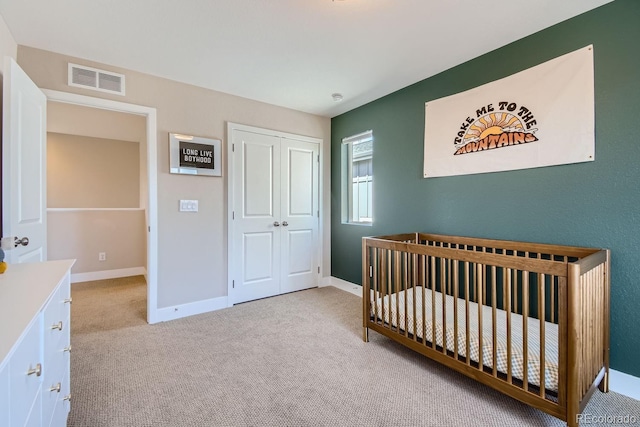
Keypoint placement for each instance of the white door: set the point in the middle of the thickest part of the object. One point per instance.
(256, 222)
(24, 137)
(300, 214)
(275, 220)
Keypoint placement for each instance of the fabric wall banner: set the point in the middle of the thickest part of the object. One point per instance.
(541, 116)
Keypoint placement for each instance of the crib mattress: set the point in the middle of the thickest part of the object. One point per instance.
(394, 304)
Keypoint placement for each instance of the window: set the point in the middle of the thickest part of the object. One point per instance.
(357, 179)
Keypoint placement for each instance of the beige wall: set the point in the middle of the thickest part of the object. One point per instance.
(86, 172)
(83, 234)
(191, 247)
(80, 120)
(8, 46)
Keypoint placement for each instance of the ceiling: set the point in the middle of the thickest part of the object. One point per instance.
(292, 53)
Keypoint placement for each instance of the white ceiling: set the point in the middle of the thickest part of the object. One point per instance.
(293, 53)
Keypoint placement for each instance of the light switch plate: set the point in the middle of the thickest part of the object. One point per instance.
(188, 206)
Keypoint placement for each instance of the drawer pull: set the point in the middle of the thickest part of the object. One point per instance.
(57, 325)
(55, 388)
(67, 349)
(37, 370)
(68, 300)
(67, 397)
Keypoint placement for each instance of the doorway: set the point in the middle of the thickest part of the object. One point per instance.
(148, 201)
(274, 222)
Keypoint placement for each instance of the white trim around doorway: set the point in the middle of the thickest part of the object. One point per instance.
(152, 177)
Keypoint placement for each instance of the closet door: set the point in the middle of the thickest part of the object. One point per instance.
(256, 216)
(273, 235)
(300, 216)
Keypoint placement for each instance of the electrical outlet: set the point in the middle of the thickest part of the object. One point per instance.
(102, 256)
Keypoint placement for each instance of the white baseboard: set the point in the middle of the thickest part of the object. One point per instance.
(165, 314)
(346, 286)
(621, 383)
(108, 274)
(325, 281)
(625, 384)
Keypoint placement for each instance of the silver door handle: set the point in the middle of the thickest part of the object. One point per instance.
(24, 241)
(276, 224)
(285, 223)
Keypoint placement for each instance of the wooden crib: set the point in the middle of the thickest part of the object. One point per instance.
(530, 320)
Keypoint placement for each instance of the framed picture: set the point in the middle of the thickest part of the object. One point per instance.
(194, 155)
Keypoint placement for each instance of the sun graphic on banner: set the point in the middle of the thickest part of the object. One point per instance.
(492, 124)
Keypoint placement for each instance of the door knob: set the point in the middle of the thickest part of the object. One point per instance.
(285, 223)
(276, 224)
(24, 241)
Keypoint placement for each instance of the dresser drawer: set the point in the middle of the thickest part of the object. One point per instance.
(63, 405)
(56, 314)
(25, 370)
(57, 363)
(35, 417)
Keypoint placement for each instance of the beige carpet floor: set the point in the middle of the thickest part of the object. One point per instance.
(293, 360)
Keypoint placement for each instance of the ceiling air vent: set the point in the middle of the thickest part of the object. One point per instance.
(92, 78)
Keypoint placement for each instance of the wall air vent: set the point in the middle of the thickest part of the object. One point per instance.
(95, 79)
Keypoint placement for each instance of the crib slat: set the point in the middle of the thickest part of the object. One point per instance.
(525, 330)
(541, 311)
(600, 322)
(504, 294)
(587, 320)
(479, 277)
(425, 275)
(381, 282)
(387, 307)
(415, 284)
(455, 309)
(592, 323)
(466, 311)
(552, 297)
(515, 295)
(583, 284)
(433, 302)
(585, 304)
(396, 289)
(494, 322)
(562, 340)
(582, 314)
(473, 288)
(507, 290)
(589, 323)
(443, 286)
(405, 287)
(483, 295)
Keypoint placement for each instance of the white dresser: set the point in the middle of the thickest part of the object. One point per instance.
(35, 344)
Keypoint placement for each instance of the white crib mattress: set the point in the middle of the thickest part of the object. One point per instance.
(517, 347)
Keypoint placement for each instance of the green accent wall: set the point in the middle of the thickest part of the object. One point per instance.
(594, 204)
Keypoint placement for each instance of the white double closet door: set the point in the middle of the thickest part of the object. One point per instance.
(275, 215)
